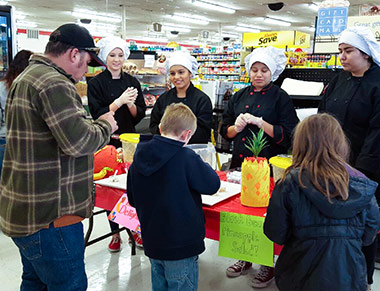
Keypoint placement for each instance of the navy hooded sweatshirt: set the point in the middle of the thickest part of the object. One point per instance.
(322, 240)
(164, 184)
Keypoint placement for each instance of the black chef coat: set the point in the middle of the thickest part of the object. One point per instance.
(275, 107)
(355, 102)
(200, 105)
(103, 90)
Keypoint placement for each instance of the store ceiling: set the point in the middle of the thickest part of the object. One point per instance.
(141, 14)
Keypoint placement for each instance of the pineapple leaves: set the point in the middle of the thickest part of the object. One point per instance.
(256, 143)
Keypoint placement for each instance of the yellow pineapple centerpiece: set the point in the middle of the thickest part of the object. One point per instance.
(255, 173)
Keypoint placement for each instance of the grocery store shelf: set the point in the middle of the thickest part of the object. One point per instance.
(217, 60)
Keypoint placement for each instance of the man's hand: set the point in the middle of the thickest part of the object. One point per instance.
(110, 119)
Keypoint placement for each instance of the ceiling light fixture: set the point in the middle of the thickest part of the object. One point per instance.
(276, 21)
(189, 19)
(26, 24)
(175, 28)
(212, 6)
(95, 16)
(3, 3)
(246, 28)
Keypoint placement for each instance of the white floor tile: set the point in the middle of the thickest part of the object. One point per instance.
(119, 271)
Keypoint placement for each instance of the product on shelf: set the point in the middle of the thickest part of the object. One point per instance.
(218, 65)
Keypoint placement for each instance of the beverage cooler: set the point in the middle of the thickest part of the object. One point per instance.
(7, 38)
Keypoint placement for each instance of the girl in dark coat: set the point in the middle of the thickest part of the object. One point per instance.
(322, 211)
(353, 97)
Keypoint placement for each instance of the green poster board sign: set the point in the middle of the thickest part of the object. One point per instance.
(242, 237)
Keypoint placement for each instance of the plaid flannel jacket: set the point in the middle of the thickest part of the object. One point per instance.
(48, 162)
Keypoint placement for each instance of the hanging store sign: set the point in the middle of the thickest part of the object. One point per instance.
(279, 39)
(372, 22)
(331, 20)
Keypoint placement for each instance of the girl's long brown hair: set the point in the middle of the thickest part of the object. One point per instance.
(19, 63)
(320, 149)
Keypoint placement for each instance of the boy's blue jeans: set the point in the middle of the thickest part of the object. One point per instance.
(53, 259)
(178, 275)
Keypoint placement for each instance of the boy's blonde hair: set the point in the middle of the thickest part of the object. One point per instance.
(177, 118)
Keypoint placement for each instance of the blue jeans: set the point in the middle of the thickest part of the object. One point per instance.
(53, 259)
(178, 275)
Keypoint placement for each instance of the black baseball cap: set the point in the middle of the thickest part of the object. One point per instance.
(79, 37)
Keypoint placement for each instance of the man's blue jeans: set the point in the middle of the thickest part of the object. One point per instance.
(178, 275)
(53, 259)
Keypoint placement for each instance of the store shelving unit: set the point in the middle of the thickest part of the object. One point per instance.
(219, 66)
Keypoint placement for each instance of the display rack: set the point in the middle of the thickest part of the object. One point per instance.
(152, 85)
(219, 66)
(307, 74)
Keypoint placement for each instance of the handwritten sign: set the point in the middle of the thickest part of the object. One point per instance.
(242, 238)
(124, 214)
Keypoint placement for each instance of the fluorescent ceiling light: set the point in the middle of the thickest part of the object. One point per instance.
(94, 16)
(19, 16)
(161, 39)
(26, 24)
(245, 28)
(232, 35)
(175, 28)
(99, 26)
(276, 22)
(212, 6)
(189, 19)
(313, 6)
(3, 3)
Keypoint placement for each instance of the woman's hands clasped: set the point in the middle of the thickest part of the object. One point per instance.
(243, 119)
(128, 97)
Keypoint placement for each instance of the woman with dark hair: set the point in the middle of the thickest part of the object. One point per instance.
(19, 63)
(322, 211)
(353, 97)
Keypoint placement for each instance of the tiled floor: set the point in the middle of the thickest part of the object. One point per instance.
(120, 271)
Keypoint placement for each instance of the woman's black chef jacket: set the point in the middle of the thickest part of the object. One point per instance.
(272, 104)
(103, 90)
(200, 105)
(355, 102)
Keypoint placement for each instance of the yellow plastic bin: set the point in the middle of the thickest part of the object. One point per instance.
(279, 165)
(129, 142)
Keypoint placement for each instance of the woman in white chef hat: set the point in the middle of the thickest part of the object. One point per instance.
(117, 91)
(353, 97)
(181, 67)
(260, 105)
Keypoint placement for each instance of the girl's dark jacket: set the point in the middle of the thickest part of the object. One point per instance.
(322, 240)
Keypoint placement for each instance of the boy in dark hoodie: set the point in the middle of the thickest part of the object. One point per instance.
(164, 183)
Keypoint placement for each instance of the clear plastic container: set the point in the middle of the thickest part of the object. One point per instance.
(206, 151)
(129, 142)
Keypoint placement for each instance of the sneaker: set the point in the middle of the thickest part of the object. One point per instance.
(239, 268)
(369, 287)
(137, 238)
(114, 245)
(263, 278)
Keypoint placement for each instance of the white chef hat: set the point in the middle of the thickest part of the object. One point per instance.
(363, 39)
(109, 43)
(272, 57)
(183, 59)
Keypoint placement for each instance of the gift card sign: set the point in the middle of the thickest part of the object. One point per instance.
(124, 214)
